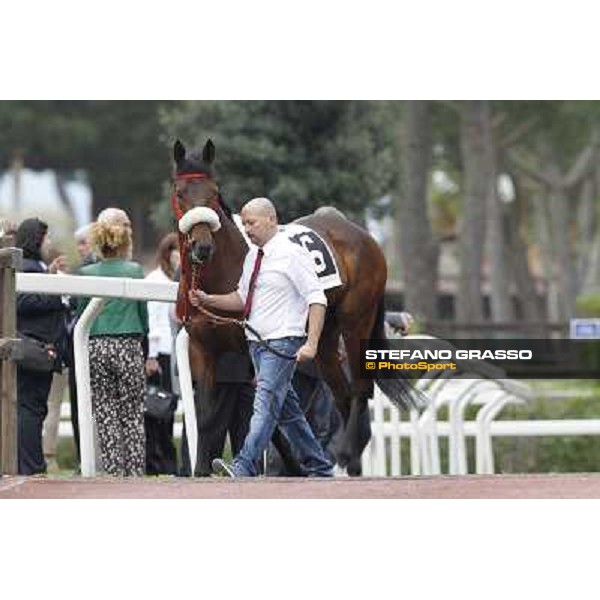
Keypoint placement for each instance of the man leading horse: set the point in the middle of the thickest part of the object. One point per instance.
(277, 292)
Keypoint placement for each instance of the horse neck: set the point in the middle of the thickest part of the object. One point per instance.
(224, 270)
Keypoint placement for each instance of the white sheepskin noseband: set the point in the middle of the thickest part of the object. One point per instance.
(200, 214)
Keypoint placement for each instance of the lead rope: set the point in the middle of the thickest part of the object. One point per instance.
(219, 320)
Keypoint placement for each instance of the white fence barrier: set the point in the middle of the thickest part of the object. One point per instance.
(389, 430)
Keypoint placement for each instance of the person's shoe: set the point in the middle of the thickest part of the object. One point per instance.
(220, 467)
(315, 474)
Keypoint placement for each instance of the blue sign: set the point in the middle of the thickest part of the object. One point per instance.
(585, 329)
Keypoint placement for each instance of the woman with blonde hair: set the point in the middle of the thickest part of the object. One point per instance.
(116, 354)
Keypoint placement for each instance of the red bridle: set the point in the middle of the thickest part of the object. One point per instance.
(174, 200)
(184, 307)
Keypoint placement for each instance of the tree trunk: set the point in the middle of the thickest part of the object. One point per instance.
(563, 287)
(61, 190)
(472, 227)
(419, 250)
(526, 288)
(560, 228)
(591, 279)
(586, 235)
(17, 171)
(140, 224)
(496, 229)
(543, 235)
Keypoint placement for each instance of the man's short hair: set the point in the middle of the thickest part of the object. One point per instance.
(83, 233)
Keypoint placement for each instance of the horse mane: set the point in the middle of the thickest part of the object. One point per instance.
(225, 208)
(331, 211)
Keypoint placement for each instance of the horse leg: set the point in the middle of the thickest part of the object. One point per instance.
(211, 412)
(358, 429)
(291, 465)
(333, 373)
(210, 436)
(212, 427)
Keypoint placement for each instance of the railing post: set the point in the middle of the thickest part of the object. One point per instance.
(182, 350)
(81, 336)
(10, 261)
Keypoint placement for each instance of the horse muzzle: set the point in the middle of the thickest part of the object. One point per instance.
(200, 253)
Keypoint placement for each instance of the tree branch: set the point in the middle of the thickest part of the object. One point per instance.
(497, 120)
(581, 168)
(537, 176)
(518, 132)
(455, 105)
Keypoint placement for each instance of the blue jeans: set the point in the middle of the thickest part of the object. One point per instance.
(276, 403)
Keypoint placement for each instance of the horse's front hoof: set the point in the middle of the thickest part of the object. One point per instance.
(343, 458)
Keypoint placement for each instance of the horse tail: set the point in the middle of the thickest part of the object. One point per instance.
(400, 390)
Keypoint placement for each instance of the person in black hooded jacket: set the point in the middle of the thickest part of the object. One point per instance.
(42, 317)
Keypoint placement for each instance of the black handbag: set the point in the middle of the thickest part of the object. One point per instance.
(158, 403)
(36, 355)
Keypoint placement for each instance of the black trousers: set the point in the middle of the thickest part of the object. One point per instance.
(73, 395)
(33, 389)
(229, 411)
(161, 456)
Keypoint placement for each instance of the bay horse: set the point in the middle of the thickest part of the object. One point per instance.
(212, 255)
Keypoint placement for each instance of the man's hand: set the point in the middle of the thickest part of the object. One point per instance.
(228, 302)
(406, 323)
(305, 353)
(58, 264)
(152, 366)
(198, 298)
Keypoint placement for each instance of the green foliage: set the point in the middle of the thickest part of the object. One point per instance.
(65, 453)
(127, 163)
(564, 126)
(588, 306)
(117, 144)
(47, 134)
(550, 454)
(302, 154)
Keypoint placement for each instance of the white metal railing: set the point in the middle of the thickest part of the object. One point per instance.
(100, 288)
(82, 380)
(377, 462)
(97, 287)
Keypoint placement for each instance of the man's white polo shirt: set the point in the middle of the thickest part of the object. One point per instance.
(286, 286)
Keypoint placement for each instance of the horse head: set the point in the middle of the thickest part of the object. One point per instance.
(196, 200)
(212, 247)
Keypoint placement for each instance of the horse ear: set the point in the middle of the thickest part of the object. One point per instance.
(208, 154)
(178, 152)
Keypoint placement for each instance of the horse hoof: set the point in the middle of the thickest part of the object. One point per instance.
(343, 458)
(354, 468)
(339, 471)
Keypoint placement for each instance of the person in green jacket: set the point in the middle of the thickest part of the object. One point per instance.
(116, 352)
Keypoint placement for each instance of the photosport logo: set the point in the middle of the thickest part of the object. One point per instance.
(497, 358)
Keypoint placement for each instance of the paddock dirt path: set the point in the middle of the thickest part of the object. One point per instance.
(473, 486)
